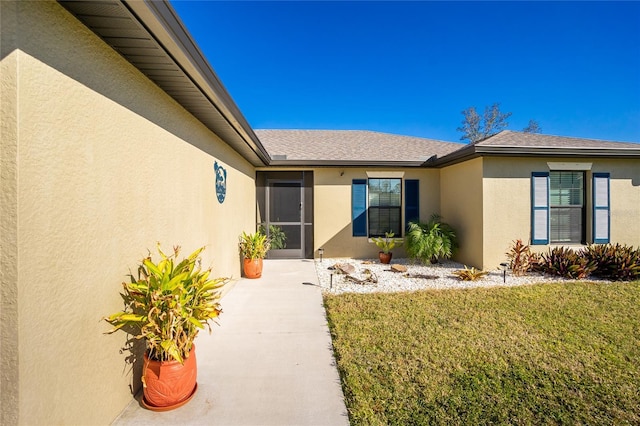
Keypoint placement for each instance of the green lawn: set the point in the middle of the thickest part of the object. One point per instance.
(544, 354)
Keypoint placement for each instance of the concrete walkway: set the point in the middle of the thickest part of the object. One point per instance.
(269, 363)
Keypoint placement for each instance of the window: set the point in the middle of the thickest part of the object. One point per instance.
(566, 202)
(376, 205)
(558, 207)
(385, 201)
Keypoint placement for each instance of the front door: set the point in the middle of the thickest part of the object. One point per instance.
(284, 218)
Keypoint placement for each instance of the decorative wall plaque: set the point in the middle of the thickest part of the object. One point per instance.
(221, 182)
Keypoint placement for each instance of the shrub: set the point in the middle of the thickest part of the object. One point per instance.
(467, 274)
(521, 259)
(430, 241)
(566, 263)
(254, 246)
(615, 262)
(168, 304)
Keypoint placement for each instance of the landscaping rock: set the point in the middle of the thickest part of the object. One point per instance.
(345, 268)
(398, 268)
(421, 276)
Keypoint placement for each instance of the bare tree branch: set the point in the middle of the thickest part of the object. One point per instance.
(475, 128)
(532, 127)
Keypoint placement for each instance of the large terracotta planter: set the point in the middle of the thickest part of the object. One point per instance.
(385, 257)
(252, 268)
(169, 384)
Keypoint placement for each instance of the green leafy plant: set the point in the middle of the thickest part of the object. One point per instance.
(276, 235)
(430, 241)
(566, 263)
(521, 259)
(386, 243)
(467, 274)
(616, 262)
(254, 246)
(168, 304)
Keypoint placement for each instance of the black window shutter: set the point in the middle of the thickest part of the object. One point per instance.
(411, 201)
(359, 207)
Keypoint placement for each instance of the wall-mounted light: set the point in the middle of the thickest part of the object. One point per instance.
(341, 172)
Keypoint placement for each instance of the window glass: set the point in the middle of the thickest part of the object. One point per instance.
(566, 199)
(385, 201)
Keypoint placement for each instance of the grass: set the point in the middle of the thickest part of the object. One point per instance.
(541, 354)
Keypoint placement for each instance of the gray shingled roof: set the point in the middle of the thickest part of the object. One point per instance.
(509, 143)
(349, 146)
(520, 139)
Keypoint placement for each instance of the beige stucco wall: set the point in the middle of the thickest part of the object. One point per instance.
(98, 164)
(507, 201)
(625, 199)
(9, 386)
(507, 205)
(332, 208)
(461, 201)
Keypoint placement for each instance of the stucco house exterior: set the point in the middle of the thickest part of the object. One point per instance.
(115, 131)
(545, 190)
(112, 125)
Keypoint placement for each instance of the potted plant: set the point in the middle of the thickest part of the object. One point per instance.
(253, 248)
(430, 241)
(385, 245)
(277, 237)
(167, 305)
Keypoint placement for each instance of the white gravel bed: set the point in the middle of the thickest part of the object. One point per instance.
(389, 281)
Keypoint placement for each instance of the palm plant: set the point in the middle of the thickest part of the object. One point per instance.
(386, 243)
(430, 241)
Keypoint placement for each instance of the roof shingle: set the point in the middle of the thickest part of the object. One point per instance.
(535, 140)
(350, 146)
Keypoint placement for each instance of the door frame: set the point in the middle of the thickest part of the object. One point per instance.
(298, 253)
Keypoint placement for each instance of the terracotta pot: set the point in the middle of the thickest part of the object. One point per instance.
(252, 268)
(385, 257)
(169, 384)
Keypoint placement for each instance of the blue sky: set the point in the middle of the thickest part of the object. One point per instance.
(411, 67)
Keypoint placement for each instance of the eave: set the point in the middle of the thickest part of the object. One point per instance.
(345, 163)
(474, 151)
(152, 38)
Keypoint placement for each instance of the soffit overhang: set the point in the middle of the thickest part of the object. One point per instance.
(151, 37)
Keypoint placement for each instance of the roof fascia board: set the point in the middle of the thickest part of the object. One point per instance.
(474, 151)
(553, 151)
(463, 154)
(161, 20)
(345, 163)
